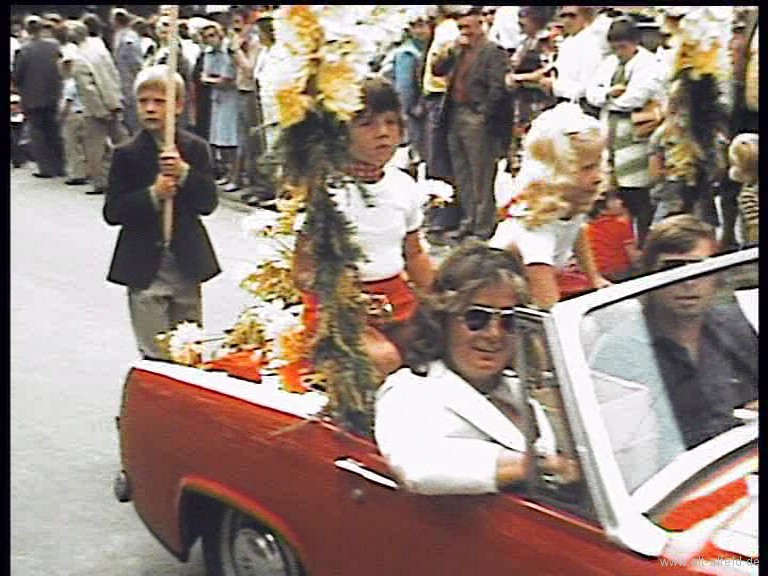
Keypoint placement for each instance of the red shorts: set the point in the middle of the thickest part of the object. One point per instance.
(393, 298)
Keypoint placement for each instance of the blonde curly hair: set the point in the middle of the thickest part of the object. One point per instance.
(743, 155)
(558, 143)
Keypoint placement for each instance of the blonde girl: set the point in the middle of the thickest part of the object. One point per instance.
(558, 182)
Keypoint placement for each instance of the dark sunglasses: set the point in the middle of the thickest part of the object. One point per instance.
(478, 317)
(669, 263)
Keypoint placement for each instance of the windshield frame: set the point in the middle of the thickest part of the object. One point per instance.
(622, 514)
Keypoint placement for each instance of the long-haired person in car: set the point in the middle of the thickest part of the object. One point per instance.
(454, 423)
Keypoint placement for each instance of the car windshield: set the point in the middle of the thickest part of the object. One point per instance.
(674, 367)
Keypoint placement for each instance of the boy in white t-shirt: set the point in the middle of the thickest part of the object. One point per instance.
(387, 229)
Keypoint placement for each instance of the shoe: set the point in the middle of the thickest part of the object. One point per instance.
(76, 181)
(222, 181)
(95, 192)
(268, 204)
(231, 188)
(42, 175)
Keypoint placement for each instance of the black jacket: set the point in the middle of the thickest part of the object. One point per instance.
(36, 73)
(128, 203)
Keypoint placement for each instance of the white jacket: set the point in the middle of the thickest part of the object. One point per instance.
(577, 60)
(442, 436)
(645, 82)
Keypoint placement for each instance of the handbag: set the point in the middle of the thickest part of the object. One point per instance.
(647, 119)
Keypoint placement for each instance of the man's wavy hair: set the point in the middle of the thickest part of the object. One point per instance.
(676, 234)
(466, 270)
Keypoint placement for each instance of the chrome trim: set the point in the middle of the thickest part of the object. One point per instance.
(355, 467)
(619, 513)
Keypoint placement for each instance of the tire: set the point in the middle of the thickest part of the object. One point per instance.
(238, 545)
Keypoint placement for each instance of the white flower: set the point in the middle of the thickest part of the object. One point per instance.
(276, 318)
(438, 189)
(338, 21)
(289, 70)
(707, 24)
(186, 342)
(296, 28)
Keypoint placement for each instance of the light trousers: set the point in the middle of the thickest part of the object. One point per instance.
(99, 132)
(74, 145)
(169, 300)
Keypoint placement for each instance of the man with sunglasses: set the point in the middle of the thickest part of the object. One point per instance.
(698, 358)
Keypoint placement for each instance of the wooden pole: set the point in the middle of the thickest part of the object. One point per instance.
(172, 12)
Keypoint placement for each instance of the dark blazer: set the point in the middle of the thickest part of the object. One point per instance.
(128, 203)
(485, 85)
(36, 73)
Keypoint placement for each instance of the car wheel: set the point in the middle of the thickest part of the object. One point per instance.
(238, 545)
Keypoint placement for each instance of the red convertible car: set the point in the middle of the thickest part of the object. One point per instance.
(273, 489)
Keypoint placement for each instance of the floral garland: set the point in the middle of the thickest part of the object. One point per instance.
(696, 111)
(324, 55)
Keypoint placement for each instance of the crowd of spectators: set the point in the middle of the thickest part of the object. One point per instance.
(471, 80)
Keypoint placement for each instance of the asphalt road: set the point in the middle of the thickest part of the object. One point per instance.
(71, 345)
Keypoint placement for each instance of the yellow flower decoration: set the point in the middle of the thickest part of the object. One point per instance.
(272, 281)
(294, 345)
(308, 30)
(700, 62)
(293, 106)
(247, 334)
(339, 89)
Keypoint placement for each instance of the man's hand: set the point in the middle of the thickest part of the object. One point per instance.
(172, 165)
(617, 91)
(546, 83)
(566, 469)
(164, 187)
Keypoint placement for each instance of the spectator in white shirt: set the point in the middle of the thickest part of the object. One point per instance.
(578, 57)
(625, 82)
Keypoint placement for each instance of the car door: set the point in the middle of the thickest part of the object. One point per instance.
(372, 526)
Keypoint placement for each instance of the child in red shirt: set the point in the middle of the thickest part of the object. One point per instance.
(612, 239)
